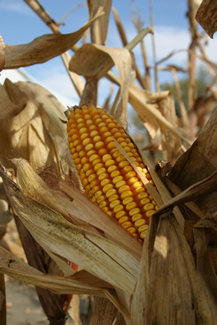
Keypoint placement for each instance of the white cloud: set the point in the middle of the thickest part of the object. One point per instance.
(171, 39)
(167, 39)
(61, 86)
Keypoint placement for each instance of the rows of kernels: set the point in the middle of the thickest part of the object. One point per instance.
(111, 182)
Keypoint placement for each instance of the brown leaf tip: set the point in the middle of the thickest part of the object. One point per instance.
(2, 44)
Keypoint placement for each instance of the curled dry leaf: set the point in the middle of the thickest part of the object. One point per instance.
(12, 100)
(93, 61)
(43, 48)
(34, 131)
(51, 112)
(207, 16)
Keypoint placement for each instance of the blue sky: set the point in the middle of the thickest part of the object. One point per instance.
(19, 24)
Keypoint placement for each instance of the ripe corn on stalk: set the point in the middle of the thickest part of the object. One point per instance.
(106, 175)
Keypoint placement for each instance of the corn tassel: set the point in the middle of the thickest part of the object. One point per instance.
(106, 175)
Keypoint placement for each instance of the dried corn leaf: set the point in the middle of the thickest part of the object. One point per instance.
(166, 106)
(36, 133)
(99, 28)
(12, 100)
(194, 192)
(167, 263)
(25, 136)
(199, 162)
(205, 234)
(164, 193)
(202, 236)
(207, 16)
(203, 106)
(74, 206)
(43, 48)
(60, 238)
(39, 259)
(51, 112)
(148, 112)
(103, 312)
(17, 269)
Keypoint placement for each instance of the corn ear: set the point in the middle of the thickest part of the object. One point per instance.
(106, 175)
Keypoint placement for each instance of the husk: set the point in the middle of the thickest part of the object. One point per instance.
(67, 241)
(169, 281)
(74, 206)
(16, 268)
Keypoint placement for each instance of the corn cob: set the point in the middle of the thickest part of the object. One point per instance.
(106, 175)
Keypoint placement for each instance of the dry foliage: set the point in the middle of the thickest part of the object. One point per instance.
(206, 16)
(171, 278)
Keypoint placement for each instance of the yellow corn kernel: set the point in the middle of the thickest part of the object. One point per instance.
(107, 177)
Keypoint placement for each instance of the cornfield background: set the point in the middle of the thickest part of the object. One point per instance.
(68, 246)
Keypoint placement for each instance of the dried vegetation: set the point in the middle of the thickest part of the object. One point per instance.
(171, 279)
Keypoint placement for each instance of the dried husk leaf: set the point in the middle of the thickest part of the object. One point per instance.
(17, 269)
(25, 136)
(51, 303)
(175, 190)
(43, 48)
(166, 260)
(206, 245)
(202, 236)
(36, 133)
(59, 237)
(119, 320)
(194, 192)
(74, 206)
(164, 193)
(103, 312)
(207, 16)
(199, 162)
(51, 112)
